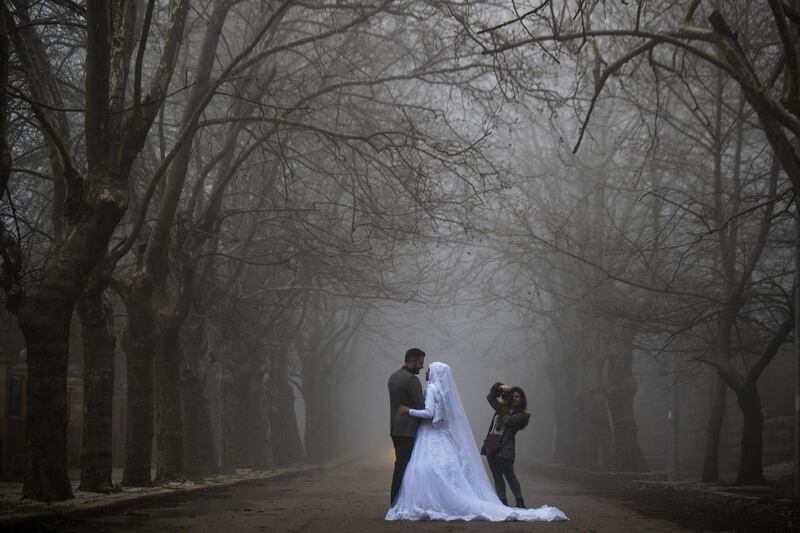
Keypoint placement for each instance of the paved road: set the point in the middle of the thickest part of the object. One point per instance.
(352, 497)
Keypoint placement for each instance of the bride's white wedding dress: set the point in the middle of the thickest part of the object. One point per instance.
(445, 478)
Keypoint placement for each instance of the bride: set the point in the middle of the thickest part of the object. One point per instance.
(445, 478)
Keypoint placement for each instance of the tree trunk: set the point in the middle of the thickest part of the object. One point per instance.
(673, 423)
(620, 393)
(717, 415)
(169, 425)
(45, 325)
(261, 436)
(287, 447)
(714, 428)
(199, 446)
(231, 409)
(797, 349)
(99, 344)
(564, 446)
(139, 342)
(317, 450)
(5, 149)
(245, 423)
(750, 465)
(593, 440)
(320, 433)
(45, 319)
(316, 435)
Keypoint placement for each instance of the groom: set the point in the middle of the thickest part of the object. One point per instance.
(404, 389)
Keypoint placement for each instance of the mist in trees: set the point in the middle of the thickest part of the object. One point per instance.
(230, 219)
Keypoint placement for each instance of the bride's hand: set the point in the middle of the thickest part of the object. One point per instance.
(403, 410)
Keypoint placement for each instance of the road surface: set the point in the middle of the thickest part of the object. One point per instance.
(352, 497)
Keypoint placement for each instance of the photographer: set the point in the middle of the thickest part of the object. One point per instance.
(509, 404)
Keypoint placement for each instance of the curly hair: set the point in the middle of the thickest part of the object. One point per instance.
(523, 405)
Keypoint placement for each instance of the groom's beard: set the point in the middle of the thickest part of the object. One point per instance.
(415, 370)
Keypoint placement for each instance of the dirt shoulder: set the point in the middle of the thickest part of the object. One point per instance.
(690, 504)
(16, 512)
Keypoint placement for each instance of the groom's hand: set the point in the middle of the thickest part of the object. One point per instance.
(403, 410)
(505, 388)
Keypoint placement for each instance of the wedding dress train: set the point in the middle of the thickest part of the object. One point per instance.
(445, 478)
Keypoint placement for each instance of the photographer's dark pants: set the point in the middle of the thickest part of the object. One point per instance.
(503, 467)
(403, 446)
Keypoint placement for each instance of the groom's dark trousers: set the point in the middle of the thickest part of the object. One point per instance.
(403, 446)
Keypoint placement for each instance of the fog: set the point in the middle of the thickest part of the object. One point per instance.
(476, 349)
(223, 223)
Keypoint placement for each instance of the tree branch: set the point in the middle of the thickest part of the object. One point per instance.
(145, 111)
(771, 349)
(791, 88)
(611, 69)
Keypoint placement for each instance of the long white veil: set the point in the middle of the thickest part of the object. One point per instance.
(449, 416)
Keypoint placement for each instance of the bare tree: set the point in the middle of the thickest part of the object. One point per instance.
(669, 44)
(117, 117)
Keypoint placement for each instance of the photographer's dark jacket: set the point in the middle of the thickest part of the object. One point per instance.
(511, 422)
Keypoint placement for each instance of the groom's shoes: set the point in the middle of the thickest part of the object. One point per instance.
(520, 503)
(504, 501)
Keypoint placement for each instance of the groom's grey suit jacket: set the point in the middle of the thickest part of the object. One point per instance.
(404, 389)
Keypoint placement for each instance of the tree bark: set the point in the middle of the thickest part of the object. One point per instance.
(565, 410)
(717, 414)
(231, 409)
(245, 424)
(713, 431)
(139, 342)
(746, 389)
(169, 425)
(593, 439)
(317, 408)
(45, 325)
(317, 450)
(750, 464)
(5, 149)
(287, 447)
(628, 455)
(199, 445)
(99, 345)
(796, 325)
(45, 318)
